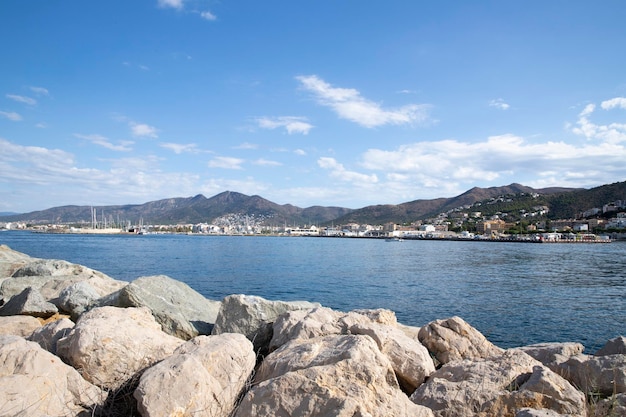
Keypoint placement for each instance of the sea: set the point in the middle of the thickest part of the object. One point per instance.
(516, 294)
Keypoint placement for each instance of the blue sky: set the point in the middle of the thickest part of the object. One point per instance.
(335, 103)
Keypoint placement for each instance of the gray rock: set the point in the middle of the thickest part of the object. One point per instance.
(613, 347)
(111, 345)
(498, 386)
(553, 355)
(204, 376)
(181, 311)
(11, 260)
(596, 375)
(21, 326)
(454, 339)
(77, 298)
(338, 375)
(28, 303)
(51, 276)
(253, 317)
(36, 383)
(49, 334)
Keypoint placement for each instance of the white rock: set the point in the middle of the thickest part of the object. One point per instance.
(498, 386)
(204, 376)
(110, 345)
(339, 375)
(305, 324)
(18, 325)
(36, 383)
(454, 339)
(49, 334)
(410, 359)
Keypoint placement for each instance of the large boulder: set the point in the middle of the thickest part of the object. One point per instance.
(77, 298)
(49, 334)
(613, 347)
(11, 260)
(454, 339)
(36, 383)
(498, 386)
(596, 375)
(29, 302)
(21, 326)
(338, 375)
(553, 355)
(204, 376)
(253, 317)
(306, 324)
(409, 358)
(181, 311)
(52, 276)
(111, 345)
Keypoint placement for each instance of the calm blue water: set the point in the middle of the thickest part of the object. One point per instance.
(514, 293)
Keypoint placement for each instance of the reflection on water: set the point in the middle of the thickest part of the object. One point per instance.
(515, 293)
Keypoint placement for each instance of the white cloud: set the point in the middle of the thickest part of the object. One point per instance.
(179, 148)
(499, 104)
(449, 166)
(175, 4)
(22, 99)
(349, 104)
(339, 172)
(267, 163)
(143, 130)
(300, 152)
(40, 91)
(207, 15)
(609, 133)
(35, 165)
(123, 146)
(619, 102)
(247, 145)
(589, 108)
(11, 116)
(226, 162)
(291, 124)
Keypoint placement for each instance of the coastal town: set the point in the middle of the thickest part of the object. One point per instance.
(468, 222)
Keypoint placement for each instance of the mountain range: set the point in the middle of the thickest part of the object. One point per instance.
(563, 203)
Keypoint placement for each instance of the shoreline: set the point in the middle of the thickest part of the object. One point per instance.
(108, 232)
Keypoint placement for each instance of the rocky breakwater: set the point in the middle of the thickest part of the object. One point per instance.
(74, 341)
